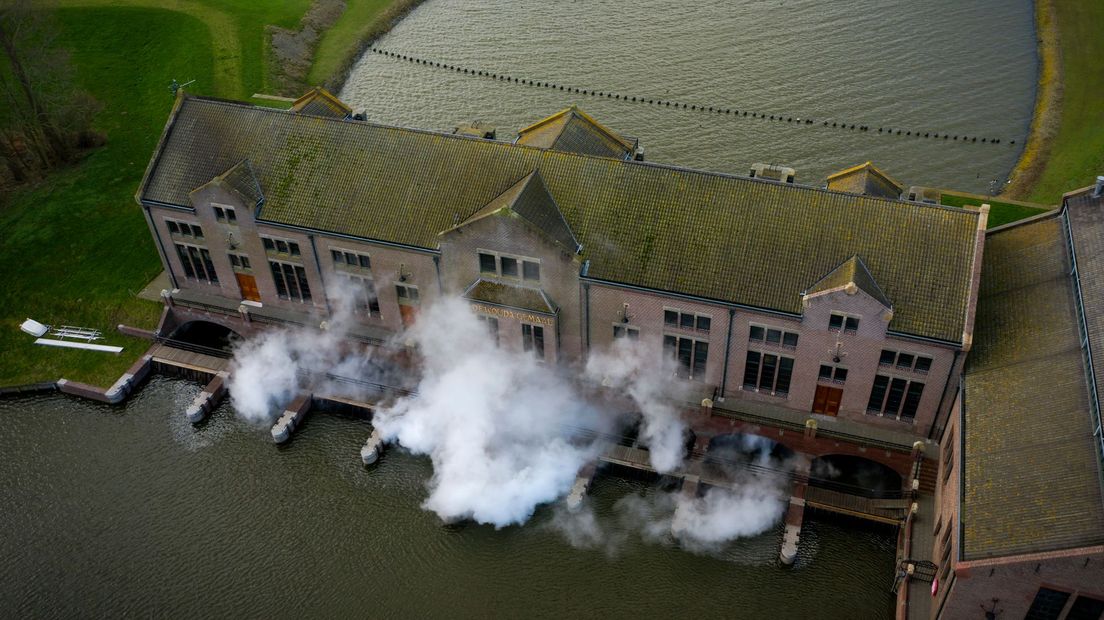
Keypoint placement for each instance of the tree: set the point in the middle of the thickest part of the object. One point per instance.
(44, 119)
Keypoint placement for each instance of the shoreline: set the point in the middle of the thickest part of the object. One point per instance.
(378, 27)
(1048, 106)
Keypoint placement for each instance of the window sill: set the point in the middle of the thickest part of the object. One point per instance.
(782, 395)
(878, 414)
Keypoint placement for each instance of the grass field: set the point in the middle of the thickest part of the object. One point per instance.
(1076, 154)
(1000, 212)
(75, 249)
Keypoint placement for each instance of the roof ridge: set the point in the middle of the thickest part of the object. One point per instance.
(552, 153)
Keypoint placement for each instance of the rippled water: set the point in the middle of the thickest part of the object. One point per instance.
(937, 65)
(110, 511)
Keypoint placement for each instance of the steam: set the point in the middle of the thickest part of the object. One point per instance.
(645, 375)
(506, 432)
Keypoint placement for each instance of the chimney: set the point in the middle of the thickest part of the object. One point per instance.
(773, 172)
(1098, 189)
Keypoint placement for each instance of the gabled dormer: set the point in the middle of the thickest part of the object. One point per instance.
(320, 102)
(848, 300)
(575, 131)
(529, 200)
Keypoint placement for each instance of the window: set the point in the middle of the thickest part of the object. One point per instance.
(363, 292)
(491, 323)
(239, 261)
(687, 320)
(895, 397)
(231, 217)
(184, 229)
(768, 373)
(408, 295)
(281, 246)
(173, 228)
(197, 231)
(771, 336)
(848, 324)
(220, 215)
(509, 266)
(345, 258)
(1085, 608)
(691, 354)
(1047, 605)
(834, 374)
(291, 281)
(532, 339)
(905, 361)
(197, 263)
(488, 263)
(530, 271)
(948, 457)
(624, 331)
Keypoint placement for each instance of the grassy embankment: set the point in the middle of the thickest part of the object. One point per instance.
(75, 248)
(1066, 148)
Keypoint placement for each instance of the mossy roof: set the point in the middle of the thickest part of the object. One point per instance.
(530, 199)
(714, 236)
(1031, 470)
(510, 295)
(851, 271)
(575, 131)
(241, 178)
(865, 179)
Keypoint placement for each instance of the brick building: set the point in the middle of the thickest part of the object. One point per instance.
(838, 303)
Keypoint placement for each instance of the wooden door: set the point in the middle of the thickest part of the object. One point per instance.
(408, 314)
(248, 286)
(827, 400)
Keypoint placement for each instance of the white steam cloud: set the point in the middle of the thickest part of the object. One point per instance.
(506, 433)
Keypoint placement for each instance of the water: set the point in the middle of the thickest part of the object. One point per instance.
(938, 65)
(129, 510)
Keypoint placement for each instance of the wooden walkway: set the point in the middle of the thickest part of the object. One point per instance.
(187, 359)
(890, 511)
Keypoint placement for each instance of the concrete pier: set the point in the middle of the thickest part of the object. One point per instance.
(291, 418)
(208, 399)
(579, 490)
(372, 448)
(795, 513)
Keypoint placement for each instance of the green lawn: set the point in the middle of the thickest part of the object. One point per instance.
(1000, 212)
(1077, 153)
(76, 248)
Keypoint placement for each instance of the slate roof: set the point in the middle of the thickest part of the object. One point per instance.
(851, 271)
(575, 131)
(320, 102)
(530, 199)
(509, 295)
(241, 178)
(866, 179)
(714, 236)
(1031, 469)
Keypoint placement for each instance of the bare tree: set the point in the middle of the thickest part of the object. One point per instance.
(44, 119)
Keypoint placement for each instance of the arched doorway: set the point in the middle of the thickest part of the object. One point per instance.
(855, 475)
(733, 454)
(205, 334)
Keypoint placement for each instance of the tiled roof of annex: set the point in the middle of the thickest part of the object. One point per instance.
(714, 236)
(1031, 468)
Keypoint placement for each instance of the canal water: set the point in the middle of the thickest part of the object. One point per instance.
(964, 68)
(110, 511)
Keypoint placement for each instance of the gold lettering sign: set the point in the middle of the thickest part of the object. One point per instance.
(511, 314)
